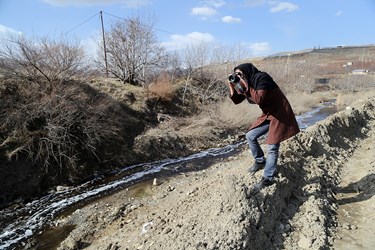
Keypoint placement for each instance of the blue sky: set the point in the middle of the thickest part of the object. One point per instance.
(265, 27)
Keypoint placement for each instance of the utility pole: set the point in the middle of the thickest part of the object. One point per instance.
(105, 48)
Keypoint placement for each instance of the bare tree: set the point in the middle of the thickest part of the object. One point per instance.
(44, 58)
(174, 65)
(208, 65)
(133, 52)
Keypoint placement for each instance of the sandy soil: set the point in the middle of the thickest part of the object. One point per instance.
(323, 199)
(356, 199)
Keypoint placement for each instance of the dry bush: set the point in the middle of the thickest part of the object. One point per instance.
(43, 58)
(207, 68)
(68, 133)
(162, 88)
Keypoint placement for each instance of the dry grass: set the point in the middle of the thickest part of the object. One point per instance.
(227, 114)
(162, 88)
(347, 99)
(132, 95)
(302, 102)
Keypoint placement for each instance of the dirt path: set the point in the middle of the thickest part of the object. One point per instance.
(211, 209)
(356, 199)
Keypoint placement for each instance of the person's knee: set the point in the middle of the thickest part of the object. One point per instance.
(251, 136)
(273, 148)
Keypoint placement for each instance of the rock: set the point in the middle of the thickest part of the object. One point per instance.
(170, 188)
(147, 226)
(155, 182)
(69, 244)
(304, 242)
(61, 188)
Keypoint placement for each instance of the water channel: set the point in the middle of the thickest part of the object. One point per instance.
(37, 215)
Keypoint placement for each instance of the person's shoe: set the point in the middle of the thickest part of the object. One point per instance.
(256, 166)
(260, 185)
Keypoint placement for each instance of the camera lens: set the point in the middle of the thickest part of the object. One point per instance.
(233, 78)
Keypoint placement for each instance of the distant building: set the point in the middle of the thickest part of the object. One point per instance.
(360, 72)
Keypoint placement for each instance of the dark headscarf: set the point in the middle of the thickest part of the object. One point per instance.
(257, 79)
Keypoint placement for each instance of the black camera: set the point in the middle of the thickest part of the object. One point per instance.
(235, 81)
(234, 78)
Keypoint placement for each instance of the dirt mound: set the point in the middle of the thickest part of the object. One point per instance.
(211, 209)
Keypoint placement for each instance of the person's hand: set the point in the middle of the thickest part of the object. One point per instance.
(243, 82)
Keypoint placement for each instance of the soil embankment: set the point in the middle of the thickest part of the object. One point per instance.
(211, 209)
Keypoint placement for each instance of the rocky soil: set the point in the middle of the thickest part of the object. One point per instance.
(323, 199)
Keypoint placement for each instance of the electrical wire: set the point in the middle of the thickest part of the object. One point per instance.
(81, 23)
(155, 28)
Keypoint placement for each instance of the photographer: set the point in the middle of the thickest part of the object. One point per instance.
(277, 118)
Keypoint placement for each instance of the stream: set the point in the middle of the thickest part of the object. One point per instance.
(34, 217)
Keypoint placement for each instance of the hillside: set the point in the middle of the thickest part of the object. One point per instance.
(92, 128)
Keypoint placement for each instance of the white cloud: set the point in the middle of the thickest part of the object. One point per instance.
(182, 41)
(283, 6)
(129, 3)
(339, 13)
(261, 48)
(6, 31)
(214, 3)
(230, 19)
(203, 11)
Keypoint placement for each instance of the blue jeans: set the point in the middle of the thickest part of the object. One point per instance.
(257, 152)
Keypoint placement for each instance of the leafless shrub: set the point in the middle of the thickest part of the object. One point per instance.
(207, 67)
(67, 133)
(42, 58)
(133, 52)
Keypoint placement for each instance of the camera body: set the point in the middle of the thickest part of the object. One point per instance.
(235, 81)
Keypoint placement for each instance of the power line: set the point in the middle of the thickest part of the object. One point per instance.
(155, 28)
(125, 19)
(128, 20)
(81, 23)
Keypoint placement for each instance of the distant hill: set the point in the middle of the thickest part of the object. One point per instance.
(335, 60)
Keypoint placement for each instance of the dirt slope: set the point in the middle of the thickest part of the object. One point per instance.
(356, 199)
(211, 209)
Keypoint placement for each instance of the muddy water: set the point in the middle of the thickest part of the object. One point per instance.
(317, 114)
(36, 216)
